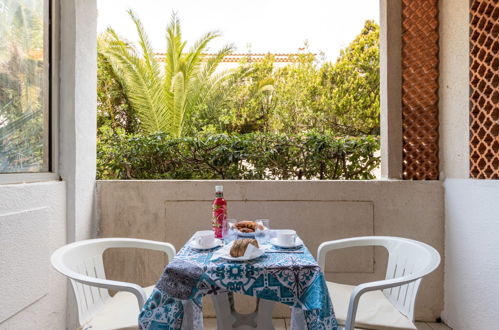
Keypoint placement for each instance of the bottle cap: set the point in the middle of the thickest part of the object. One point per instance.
(219, 188)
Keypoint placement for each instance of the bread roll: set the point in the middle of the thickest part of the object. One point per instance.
(240, 245)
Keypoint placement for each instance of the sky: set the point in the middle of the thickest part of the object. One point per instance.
(260, 26)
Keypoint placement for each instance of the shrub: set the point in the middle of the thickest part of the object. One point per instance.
(255, 156)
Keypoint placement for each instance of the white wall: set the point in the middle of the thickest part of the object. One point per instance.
(32, 226)
(471, 254)
(37, 218)
(471, 286)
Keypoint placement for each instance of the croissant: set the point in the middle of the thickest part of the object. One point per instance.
(240, 245)
(248, 226)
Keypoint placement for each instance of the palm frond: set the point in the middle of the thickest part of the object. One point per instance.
(147, 51)
(265, 85)
(174, 48)
(179, 100)
(164, 100)
(212, 63)
(142, 84)
(194, 56)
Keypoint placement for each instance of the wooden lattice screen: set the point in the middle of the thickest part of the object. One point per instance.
(484, 89)
(420, 89)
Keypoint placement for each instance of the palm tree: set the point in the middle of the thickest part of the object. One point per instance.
(164, 98)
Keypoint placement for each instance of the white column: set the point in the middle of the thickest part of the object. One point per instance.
(391, 88)
(77, 120)
(78, 104)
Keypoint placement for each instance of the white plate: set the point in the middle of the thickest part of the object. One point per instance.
(224, 253)
(274, 241)
(243, 258)
(216, 242)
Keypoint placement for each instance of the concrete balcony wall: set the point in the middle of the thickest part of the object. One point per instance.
(319, 210)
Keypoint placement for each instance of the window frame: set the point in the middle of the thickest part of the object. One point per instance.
(52, 27)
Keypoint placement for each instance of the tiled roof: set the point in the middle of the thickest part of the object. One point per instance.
(236, 58)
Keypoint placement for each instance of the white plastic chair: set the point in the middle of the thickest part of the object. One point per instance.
(82, 263)
(386, 304)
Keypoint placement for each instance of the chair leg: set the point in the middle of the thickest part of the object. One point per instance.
(297, 319)
(242, 321)
(193, 316)
(223, 311)
(264, 314)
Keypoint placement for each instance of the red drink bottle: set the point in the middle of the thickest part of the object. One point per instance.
(219, 216)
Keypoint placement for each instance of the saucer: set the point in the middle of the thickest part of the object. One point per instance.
(194, 245)
(275, 242)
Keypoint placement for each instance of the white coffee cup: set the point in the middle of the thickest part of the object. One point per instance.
(286, 237)
(205, 238)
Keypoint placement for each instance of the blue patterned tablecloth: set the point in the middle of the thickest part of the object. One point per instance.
(292, 279)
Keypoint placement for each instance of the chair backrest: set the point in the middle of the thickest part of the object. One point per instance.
(85, 258)
(406, 257)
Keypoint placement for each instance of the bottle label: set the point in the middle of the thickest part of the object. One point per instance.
(219, 217)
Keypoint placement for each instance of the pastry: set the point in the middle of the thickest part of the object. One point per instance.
(240, 245)
(248, 226)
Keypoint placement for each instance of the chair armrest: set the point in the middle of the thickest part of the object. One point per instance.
(133, 288)
(360, 289)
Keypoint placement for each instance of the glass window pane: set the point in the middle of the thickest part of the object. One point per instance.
(24, 120)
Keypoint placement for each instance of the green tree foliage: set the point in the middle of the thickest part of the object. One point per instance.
(252, 156)
(245, 104)
(113, 107)
(256, 122)
(341, 97)
(296, 107)
(163, 98)
(349, 89)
